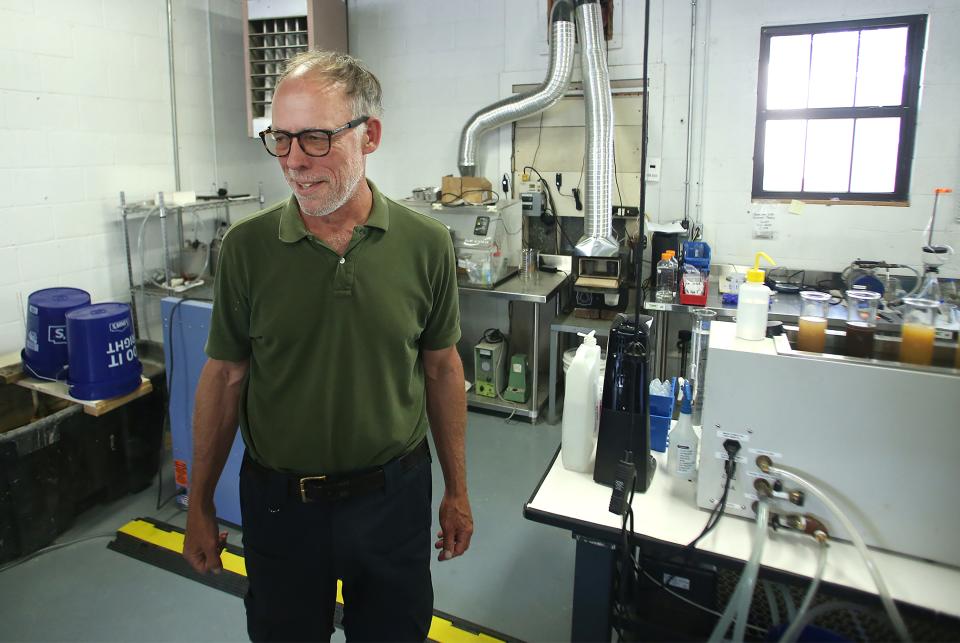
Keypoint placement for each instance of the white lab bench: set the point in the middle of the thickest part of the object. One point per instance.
(667, 515)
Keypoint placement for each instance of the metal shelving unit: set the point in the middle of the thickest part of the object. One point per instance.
(142, 209)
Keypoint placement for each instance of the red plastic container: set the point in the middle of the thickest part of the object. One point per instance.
(694, 300)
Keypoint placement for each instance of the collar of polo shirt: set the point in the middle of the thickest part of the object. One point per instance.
(293, 230)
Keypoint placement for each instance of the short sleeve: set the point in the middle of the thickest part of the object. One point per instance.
(229, 337)
(442, 329)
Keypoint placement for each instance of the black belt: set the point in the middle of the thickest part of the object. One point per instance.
(345, 485)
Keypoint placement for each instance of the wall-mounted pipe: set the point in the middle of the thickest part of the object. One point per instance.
(514, 108)
(597, 239)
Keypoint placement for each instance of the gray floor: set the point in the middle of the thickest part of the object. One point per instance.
(517, 577)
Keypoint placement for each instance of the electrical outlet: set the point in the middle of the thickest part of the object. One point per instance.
(653, 169)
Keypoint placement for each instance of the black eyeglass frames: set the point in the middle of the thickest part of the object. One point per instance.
(313, 142)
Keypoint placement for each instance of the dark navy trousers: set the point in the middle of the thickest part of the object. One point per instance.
(378, 544)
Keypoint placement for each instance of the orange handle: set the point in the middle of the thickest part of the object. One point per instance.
(943, 190)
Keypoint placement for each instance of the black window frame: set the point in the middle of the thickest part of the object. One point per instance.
(906, 111)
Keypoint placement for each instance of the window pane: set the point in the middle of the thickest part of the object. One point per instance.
(788, 72)
(827, 164)
(875, 147)
(833, 69)
(882, 65)
(783, 156)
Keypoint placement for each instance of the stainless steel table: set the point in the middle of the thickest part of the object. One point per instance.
(536, 293)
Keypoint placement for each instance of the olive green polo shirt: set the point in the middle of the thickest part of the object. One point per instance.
(336, 380)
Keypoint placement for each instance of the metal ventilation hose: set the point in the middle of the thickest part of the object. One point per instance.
(529, 103)
(597, 239)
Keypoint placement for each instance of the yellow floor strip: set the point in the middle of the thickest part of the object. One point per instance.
(441, 629)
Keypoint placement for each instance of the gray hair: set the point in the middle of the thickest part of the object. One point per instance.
(358, 82)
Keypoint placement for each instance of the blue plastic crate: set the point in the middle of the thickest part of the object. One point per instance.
(662, 405)
(661, 413)
(697, 254)
(659, 427)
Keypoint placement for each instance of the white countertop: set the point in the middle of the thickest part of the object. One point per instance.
(668, 512)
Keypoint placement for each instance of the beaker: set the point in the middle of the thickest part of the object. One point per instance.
(813, 321)
(918, 331)
(697, 369)
(528, 265)
(861, 322)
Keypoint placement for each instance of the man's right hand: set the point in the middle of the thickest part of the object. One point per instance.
(202, 544)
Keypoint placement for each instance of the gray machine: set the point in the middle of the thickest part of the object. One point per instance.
(485, 238)
(882, 439)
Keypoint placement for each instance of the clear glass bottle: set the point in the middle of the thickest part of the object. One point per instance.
(666, 279)
(813, 321)
(697, 368)
(918, 331)
(861, 322)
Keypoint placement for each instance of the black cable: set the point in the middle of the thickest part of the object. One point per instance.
(717, 512)
(459, 197)
(539, 134)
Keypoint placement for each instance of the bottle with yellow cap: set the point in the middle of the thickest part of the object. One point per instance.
(753, 302)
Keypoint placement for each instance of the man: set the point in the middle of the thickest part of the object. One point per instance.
(333, 341)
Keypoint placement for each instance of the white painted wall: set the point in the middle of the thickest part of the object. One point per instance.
(826, 237)
(84, 113)
(441, 60)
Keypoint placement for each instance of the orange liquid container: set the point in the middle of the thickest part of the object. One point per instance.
(916, 344)
(813, 334)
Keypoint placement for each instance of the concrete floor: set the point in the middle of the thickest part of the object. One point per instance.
(517, 578)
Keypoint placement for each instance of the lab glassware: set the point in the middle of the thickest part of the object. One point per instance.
(813, 321)
(861, 322)
(918, 331)
(696, 370)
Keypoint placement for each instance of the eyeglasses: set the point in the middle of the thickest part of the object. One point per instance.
(313, 142)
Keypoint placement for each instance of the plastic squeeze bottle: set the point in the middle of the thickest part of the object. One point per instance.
(580, 407)
(684, 443)
(753, 303)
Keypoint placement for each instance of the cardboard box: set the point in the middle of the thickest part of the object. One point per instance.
(470, 189)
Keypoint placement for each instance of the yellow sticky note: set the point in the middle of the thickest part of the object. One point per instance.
(796, 207)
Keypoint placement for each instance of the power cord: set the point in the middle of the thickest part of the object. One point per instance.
(732, 447)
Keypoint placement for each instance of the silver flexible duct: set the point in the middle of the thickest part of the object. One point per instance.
(529, 103)
(597, 239)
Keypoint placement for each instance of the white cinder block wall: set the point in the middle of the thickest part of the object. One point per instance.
(84, 114)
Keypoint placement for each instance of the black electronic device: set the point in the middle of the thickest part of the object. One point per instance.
(481, 226)
(783, 286)
(624, 410)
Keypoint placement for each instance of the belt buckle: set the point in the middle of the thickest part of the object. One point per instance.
(303, 490)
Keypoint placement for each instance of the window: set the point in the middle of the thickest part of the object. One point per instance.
(837, 109)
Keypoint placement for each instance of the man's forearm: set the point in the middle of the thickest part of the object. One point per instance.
(215, 419)
(447, 412)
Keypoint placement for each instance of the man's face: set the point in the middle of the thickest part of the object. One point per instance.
(321, 184)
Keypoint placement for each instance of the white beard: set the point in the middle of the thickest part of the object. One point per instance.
(349, 178)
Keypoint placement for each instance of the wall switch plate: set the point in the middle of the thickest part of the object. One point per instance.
(653, 169)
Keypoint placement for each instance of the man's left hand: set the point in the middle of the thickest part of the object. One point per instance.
(456, 526)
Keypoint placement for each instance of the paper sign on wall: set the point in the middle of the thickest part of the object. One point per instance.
(764, 222)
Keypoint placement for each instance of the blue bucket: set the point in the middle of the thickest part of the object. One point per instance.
(103, 352)
(45, 350)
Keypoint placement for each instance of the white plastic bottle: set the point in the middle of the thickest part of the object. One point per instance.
(580, 407)
(753, 303)
(684, 443)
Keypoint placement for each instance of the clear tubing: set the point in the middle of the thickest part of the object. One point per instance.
(791, 633)
(744, 590)
(898, 625)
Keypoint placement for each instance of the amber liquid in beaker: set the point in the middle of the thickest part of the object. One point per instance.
(859, 339)
(916, 344)
(813, 334)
